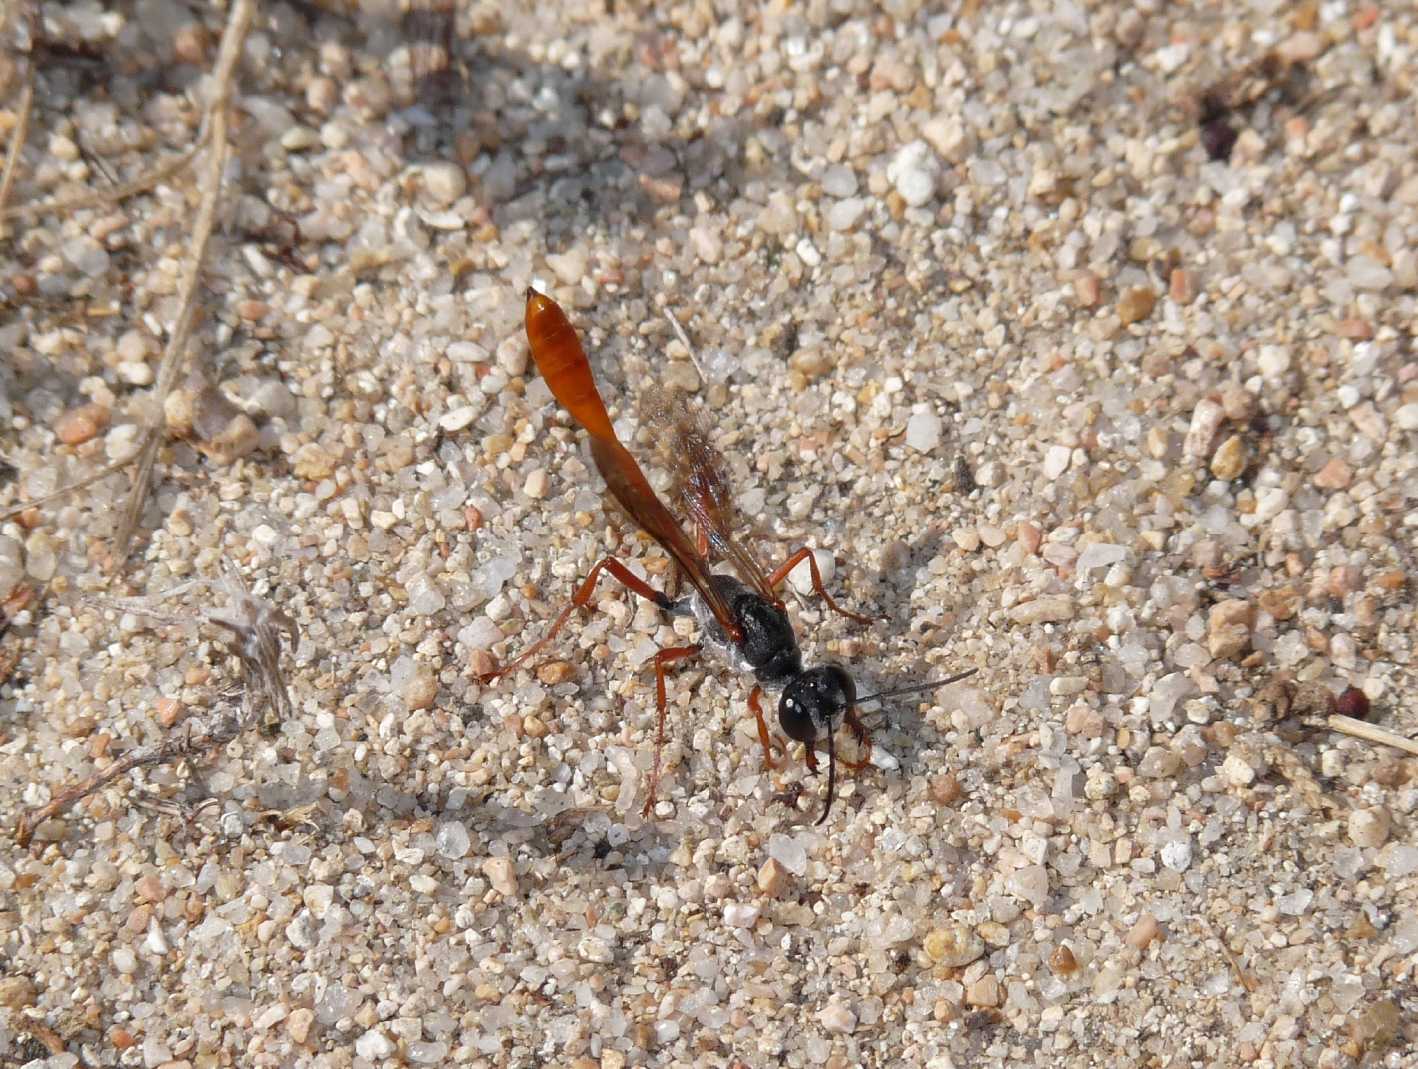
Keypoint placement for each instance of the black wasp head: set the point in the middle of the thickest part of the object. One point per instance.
(814, 701)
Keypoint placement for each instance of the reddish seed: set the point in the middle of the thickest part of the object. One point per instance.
(1352, 702)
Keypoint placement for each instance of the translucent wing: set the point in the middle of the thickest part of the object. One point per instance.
(562, 362)
(702, 483)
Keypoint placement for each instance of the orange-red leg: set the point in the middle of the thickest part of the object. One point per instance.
(764, 738)
(663, 658)
(580, 599)
(805, 554)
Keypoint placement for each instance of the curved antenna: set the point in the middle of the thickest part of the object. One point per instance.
(916, 688)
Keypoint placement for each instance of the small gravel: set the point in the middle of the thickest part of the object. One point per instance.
(1053, 395)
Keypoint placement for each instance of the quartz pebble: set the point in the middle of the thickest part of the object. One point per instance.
(837, 1019)
(374, 1045)
(502, 875)
(1206, 422)
(1237, 771)
(444, 181)
(914, 171)
(740, 914)
(1369, 827)
(1043, 610)
(923, 431)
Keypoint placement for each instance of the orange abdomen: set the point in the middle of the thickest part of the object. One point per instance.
(563, 363)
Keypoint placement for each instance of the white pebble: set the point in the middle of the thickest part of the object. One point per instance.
(923, 430)
(480, 634)
(708, 246)
(1367, 273)
(135, 373)
(459, 418)
(1201, 435)
(1056, 460)
(1030, 883)
(594, 948)
(740, 914)
(991, 535)
(1400, 860)
(374, 1045)
(536, 485)
(788, 852)
(967, 538)
(884, 759)
(845, 213)
(1369, 827)
(913, 172)
(1177, 854)
(801, 576)
(835, 1018)
(445, 181)
(1236, 771)
(156, 942)
(1407, 417)
(125, 961)
(452, 840)
(839, 180)
(318, 898)
(1295, 904)
(807, 252)
(1274, 361)
(1100, 555)
(1166, 693)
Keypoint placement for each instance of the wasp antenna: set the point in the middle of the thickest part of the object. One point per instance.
(916, 688)
(831, 779)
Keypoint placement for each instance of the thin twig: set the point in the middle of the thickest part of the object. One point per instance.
(88, 480)
(1347, 725)
(684, 340)
(63, 205)
(256, 625)
(174, 356)
(17, 138)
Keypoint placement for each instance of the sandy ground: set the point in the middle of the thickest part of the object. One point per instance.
(1079, 338)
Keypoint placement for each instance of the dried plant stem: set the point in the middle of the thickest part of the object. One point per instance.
(97, 198)
(17, 139)
(174, 356)
(1347, 725)
(188, 744)
(88, 480)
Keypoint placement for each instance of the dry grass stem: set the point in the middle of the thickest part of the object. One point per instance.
(64, 491)
(1347, 725)
(63, 205)
(17, 139)
(174, 356)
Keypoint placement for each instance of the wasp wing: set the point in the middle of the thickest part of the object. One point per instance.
(702, 483)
